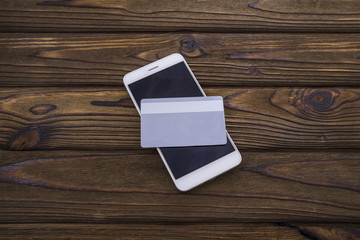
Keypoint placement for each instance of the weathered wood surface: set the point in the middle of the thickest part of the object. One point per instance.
(235, 15)
(257, 118)
(216, 59)
(289, 74)
(118, 187)
(150, 230)
(183, 231)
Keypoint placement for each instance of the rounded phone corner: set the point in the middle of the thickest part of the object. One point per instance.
(125, 78)
(239, 159)
(179, 55)
(182, 188)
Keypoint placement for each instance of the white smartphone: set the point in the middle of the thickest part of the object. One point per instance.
(188, 166)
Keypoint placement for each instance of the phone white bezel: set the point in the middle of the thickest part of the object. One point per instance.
(206, 172)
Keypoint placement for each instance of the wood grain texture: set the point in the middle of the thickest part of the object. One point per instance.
(125, 187)
(216, 59)
(150, 231)
(105, 118)
(244, 15)
(181, 231)
(329, 232)
(289, 74)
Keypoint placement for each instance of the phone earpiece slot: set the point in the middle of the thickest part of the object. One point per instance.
(153, 68)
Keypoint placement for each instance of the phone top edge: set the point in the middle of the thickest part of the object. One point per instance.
(161, 64)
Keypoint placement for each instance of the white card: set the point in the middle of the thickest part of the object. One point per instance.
(182, 122)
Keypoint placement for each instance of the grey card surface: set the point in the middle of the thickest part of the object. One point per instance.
(180, 122)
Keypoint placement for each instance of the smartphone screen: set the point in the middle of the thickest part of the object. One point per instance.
(177, 81)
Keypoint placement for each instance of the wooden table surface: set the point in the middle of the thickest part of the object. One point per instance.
(71, 165)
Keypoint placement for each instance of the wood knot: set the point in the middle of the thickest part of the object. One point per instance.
(26, 139)
(42, 109)
(191, 48)
(316, 104)
(321, 100)
(254, 70)
(188, 44)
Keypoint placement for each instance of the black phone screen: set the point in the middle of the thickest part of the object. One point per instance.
(176, 81)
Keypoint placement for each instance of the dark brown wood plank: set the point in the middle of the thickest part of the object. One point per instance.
(216, 59)
(123, 187)
(184, 231)
(105, 118)
(150, 231)
(244, 15)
